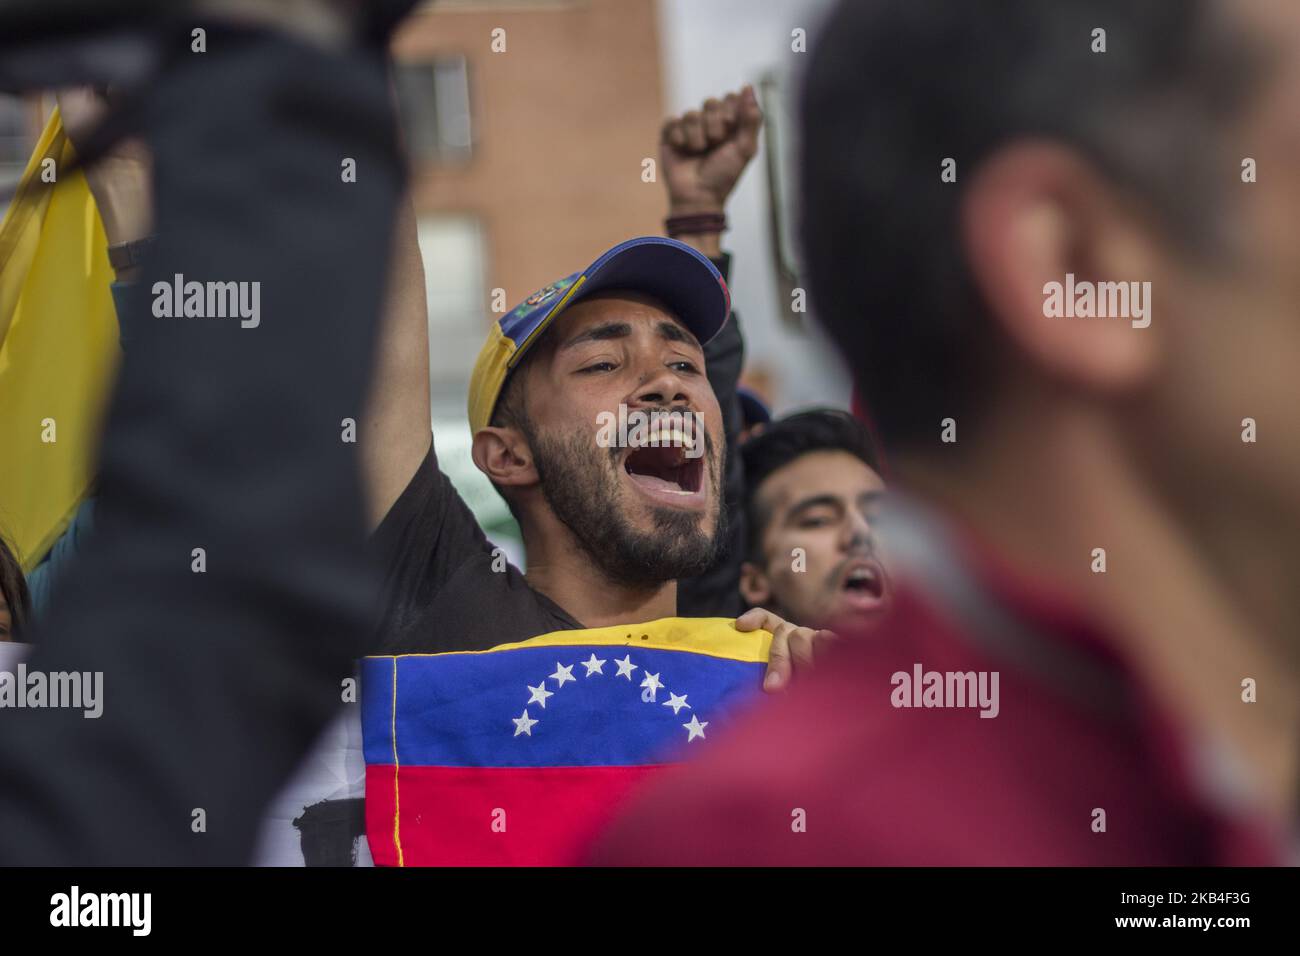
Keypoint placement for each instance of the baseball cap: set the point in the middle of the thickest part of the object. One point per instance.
(670, 271)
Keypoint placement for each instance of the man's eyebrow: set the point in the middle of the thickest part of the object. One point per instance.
(600, 333)
(813, 501)
(675, 333)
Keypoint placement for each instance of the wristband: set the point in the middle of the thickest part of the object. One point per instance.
(128, 255)
(695, 225)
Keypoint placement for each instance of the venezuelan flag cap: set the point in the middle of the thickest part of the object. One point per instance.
(670, 271)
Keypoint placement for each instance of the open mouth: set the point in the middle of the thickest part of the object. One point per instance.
(864, 581)
(665, 472)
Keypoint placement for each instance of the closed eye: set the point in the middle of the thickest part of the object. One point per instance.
(815, 521)
(819, 511)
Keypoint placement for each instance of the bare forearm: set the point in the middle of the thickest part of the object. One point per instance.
(703, 152)
(395, 431)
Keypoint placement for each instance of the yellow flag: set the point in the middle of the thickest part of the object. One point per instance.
(58, 347)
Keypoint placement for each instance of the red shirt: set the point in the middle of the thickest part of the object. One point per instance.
(875, 784)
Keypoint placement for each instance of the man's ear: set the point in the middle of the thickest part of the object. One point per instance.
(1035, 212)
(504, 456)
(754, 585)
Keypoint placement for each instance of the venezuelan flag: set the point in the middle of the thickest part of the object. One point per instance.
(520, 755)
(58, 347)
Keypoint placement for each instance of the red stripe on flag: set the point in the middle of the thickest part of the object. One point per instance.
(476, 816)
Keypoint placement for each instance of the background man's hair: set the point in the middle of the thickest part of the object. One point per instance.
(791, 437)
(896, 86)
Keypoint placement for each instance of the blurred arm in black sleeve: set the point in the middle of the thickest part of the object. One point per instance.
(716, 591)
(226, 435)
(703, 153)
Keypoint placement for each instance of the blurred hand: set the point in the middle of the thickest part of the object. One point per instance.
(703, 152)
(119, 181)
(793, 647)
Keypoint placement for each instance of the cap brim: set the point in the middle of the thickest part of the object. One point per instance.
(681, 278)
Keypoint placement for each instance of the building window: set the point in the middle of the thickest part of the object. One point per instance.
(16, 144)
(433, 99)
(15, 132)
(453, 249)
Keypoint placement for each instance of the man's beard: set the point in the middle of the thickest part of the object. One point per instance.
(585, 497)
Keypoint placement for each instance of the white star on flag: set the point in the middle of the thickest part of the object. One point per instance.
(696, 728)
(593, 665)
(676, 702)
(540, 693)
(524, 724)
(625, 667)
(562, 674)
(652, 684)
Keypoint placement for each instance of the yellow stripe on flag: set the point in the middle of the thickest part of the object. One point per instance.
(711, 636)
(58, 348)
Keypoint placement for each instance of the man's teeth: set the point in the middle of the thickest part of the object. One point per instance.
(861, 579)
(670, 438)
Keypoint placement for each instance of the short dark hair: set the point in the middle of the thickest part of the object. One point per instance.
(510, 410)
(791, 437)
(894, 87)
(14, 586)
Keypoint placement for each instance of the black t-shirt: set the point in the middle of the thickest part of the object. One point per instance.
(439, 590)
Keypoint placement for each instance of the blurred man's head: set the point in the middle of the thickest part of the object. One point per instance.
(812, 487)
(646, 509)
(1165, 151)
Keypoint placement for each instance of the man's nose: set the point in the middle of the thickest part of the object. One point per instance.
(857, 531)
(662, 386)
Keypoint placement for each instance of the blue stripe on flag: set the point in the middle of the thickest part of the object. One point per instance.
(522, 708)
